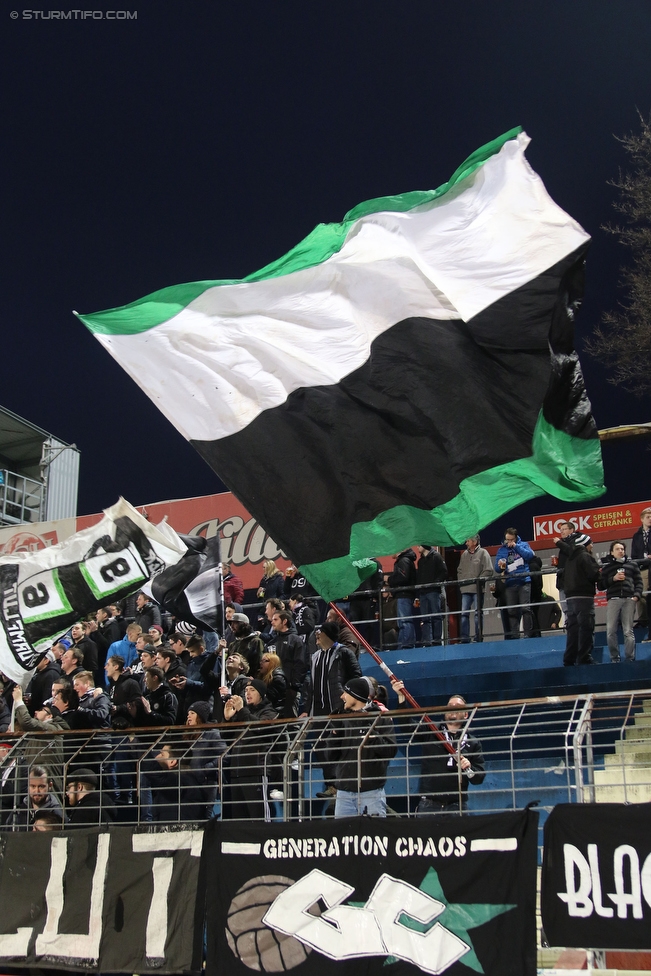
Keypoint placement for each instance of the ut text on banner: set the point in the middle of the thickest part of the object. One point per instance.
(110, 901)
(596, 883)
(353, 896)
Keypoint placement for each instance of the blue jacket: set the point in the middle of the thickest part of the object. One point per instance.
(126, 649)
(521, 550)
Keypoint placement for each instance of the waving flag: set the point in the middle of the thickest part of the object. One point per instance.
(42, 593)
(407, 375)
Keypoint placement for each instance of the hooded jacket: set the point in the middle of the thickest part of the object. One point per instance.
(581, 570)
(404, 572)
(519, 575)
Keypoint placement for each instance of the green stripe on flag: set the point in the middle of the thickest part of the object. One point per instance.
(324, 241)
(569, 468)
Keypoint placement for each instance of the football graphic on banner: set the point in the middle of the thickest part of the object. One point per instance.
(256, 945)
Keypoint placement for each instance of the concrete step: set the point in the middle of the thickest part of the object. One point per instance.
(638, 732)
(619, 794)
(618, 759)
(629, 775)
(642, 719)
(632, 746)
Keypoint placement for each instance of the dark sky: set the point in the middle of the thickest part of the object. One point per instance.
(203, 139)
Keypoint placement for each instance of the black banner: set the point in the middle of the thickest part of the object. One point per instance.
(109, 901)
(364, 896)
(596, 882)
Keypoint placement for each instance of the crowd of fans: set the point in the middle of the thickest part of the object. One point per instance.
(130, 667)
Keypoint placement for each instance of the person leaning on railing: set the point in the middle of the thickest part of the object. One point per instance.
(444, 778)
(250, 756)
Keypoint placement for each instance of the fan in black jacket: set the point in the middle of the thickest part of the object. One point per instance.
(360, 746)
(252, 756)
(622, 580)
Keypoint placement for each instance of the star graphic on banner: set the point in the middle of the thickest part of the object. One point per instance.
(456, 917)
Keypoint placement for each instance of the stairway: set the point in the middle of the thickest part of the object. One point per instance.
(626, 776)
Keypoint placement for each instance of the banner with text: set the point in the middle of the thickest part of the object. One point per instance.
(617, 522)
(596, 881)
(446, 894)
(111, 901)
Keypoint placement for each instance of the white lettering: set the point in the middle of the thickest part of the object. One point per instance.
(599, 906)
(577, 899)
(432, 951)
(621, 896)
(341, 932)
(79, 945)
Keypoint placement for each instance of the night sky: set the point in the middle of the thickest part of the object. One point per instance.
(204, 139)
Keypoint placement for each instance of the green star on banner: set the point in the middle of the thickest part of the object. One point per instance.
(457, 918)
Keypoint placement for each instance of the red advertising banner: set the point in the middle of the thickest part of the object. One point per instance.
(599, 523)
(243, 540)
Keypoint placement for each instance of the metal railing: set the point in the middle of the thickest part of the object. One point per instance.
(21, 499)
(586, 748)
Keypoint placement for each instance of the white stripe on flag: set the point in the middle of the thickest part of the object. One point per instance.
(494, 844)
(237, 350)
(231, 847)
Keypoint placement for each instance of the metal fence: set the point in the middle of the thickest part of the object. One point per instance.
(587, 748)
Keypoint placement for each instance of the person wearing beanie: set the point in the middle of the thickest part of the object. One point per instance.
(331, 666)
(580, 577)
(252, 755)
(198, 713)
(360, 746)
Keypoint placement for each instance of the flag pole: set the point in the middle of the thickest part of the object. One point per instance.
(221, 600)
(392, 677)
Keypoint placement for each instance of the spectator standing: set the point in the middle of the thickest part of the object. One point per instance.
(305, 620)
(161, 705)
(147, 613)
(245, 642)
(444, 778)
(40, 687)
(88, 648)
(404, 576)
(233, 585)
(360, 747)
(512, 562)
(621, 579)
(251, 758)
(290, 650)
(475, 564)
(567, 533)
(580, 578)
(430, 569)
(273, 676)
(108, 627)
(364, 602)
(127, 648)
(641, 550)
(272, 584)
(118, 618)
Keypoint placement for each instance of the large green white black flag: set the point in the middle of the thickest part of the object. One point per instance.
(100, 901)
(406, 375)
(596, 882)
(443, 895)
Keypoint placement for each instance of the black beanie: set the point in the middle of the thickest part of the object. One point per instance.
(259, 686)
(358, 688)
(201, 710)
